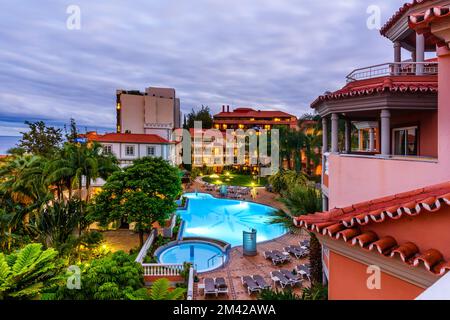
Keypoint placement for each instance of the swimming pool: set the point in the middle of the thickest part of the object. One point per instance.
(203, 256)
(224, 219)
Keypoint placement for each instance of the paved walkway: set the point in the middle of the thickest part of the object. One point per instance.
(240, 265)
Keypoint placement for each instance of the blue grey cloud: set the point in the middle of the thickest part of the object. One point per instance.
(267, 54)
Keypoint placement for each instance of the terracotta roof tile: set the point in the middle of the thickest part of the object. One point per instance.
(406, 251)
(411, 203)
(421, 21)
(251, 113)
(384, 245)
(429, 258)
(343, 224)
(365, 239)
(130, 138)
(397, 15)
(413, 83)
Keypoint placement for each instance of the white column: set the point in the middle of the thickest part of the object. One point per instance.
(334, 133)
(385, 133)
(397, 57)
(371, 139)
(420, 52)
(324, 135)
(324, 203)
(348, 134)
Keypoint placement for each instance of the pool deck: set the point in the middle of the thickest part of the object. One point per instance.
(239, 265)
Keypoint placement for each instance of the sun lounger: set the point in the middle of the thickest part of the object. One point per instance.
(297, 251)
(277, 276)
(249, 283)
(271, 256)
(221, 285)
(282, 255)
(210, 287)
(304, 270)
(261, 282)
(294, 279)
(304, 243)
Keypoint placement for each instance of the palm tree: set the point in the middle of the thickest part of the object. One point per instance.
(27, 272)
(61, 171)
(301, 200)
(291, 143)
(56, 222)
(160, 290)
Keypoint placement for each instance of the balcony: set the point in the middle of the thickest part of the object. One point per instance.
(394, 69)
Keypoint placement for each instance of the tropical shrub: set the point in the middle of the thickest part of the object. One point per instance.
(26, 273)
(301, 200)
(161, 290)
(284, 179)
(57, 222)
(316, 292)
(275, 294)
(114, 277)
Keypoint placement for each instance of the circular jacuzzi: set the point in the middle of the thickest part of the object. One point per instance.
(204, 256)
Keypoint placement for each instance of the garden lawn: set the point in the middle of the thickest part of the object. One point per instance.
(241, 180)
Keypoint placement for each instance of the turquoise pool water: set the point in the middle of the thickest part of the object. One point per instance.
(225, 219)
(202, 255)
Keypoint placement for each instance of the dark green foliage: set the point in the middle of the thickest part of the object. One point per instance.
(301, 200)
(26, 273)
(56, 223)
(143, 193)
(269, 294)
(316, 292)
(114, 277)
(203, 115)
(284, 179)
(40, 139)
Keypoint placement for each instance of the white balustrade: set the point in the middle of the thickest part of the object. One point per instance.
(162, 269)
(147, 244)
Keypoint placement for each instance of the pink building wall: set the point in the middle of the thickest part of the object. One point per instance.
(348, 281)
(356, 179)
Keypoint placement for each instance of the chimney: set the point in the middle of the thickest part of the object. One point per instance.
(228, 108)
(223, 108)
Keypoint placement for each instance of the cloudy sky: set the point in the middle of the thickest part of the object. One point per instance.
(277, 54)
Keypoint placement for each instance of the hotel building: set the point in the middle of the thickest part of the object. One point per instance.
(387, 203)
(247, 118)
(155, 111)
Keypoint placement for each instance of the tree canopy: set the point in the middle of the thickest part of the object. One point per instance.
(40, 139)
(203, 115)
(143, 193)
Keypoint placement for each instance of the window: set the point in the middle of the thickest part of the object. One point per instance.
(107, 149)
(129, 150)
(150, 151)
(405, 141)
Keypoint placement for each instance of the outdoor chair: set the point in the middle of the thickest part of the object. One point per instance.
(261, 282)
(250, 284)
(270, 256)
(294, 279)
(298, 252)
(277, 276)
(221, 285)
(304, 244)
(284, 256)
(210, 287)
(304, 271)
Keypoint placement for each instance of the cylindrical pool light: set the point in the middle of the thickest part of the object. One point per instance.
(249, 242)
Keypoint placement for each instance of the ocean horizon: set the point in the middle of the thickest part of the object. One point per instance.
(8, 142)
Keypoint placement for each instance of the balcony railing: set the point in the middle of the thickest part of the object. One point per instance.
(162, 269)
(394, 69)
